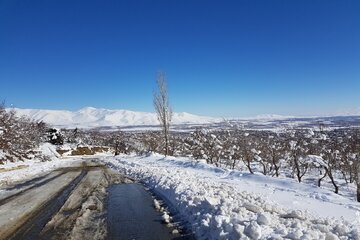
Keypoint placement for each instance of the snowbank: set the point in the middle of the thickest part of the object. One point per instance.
(221, 204)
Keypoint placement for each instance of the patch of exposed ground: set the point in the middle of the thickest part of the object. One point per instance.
(83, 151)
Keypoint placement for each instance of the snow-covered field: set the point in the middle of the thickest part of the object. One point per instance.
(224, 204)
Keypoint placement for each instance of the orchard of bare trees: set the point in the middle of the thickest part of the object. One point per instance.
(295, 153)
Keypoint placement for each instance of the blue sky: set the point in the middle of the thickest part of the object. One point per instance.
(221, 58)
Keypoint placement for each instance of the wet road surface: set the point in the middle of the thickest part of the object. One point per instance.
(131, 214)
(87, 201)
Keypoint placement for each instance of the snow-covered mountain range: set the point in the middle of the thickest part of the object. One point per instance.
(90, 117)
(97, 117)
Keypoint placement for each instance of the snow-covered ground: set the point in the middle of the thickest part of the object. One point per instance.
(224, 204)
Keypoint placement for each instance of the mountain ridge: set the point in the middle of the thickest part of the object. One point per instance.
(90, 117)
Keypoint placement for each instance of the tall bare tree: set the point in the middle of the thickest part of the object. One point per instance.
(162, 108)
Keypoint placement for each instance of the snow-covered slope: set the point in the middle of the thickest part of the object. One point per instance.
(93, 117)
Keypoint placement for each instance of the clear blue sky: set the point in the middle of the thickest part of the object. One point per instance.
(222, 58)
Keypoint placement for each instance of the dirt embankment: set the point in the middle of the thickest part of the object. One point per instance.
(83, 151)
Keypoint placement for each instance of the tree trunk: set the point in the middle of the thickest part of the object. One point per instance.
(233, 164)
(333, 181)
(276, 167)
(297, 168)
(116, 149)
(320, 179)
(249, 166)
(166, 138)
(345, 177)
(357, 179)
(166, 144)
(264, 168)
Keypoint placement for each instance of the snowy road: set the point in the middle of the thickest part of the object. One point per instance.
(17, 211)
(72, 203)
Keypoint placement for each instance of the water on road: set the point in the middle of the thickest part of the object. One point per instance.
(131, 214)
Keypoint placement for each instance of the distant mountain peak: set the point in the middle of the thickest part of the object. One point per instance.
(84, 109)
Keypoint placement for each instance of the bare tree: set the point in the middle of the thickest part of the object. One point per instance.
(162, 108)
(18, 135)
(298, 148)
(355, 142)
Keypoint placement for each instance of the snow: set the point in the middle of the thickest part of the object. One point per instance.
(107, 119)
(317, 161)
(93, 117)
(271, 117)
(2, 154)
(224, 204)
(49, 150)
